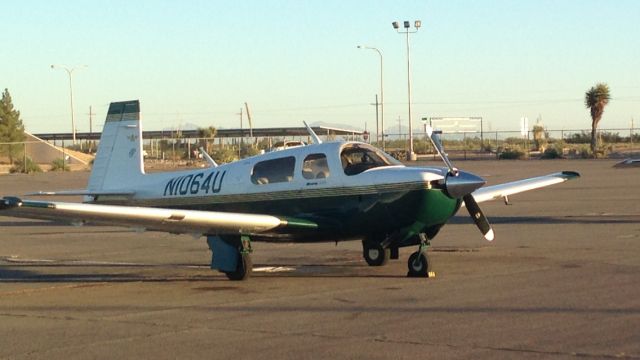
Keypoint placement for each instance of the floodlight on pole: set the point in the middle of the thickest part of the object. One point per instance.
(381, 93)
(70, 73)
(407, 25)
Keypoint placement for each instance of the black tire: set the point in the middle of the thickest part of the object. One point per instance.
(243, 270)
(418, 264)
(374, 254)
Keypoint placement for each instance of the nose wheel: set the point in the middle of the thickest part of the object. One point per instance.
(419, 264)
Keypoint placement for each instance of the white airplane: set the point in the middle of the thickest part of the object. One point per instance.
(319, 192)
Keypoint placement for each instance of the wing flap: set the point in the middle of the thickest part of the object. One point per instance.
(502, 190)
(171, 220)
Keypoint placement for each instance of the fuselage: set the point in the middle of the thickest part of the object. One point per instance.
(350, 189)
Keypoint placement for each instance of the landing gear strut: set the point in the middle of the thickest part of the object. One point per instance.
(419, 264)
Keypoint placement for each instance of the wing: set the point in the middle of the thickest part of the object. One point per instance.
(503, 190)
(170, 220)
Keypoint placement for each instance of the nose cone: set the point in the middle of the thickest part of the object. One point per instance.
(462, 184)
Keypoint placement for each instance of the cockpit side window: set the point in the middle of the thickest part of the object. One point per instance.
(357, 158)
(315, 167)
(273, 171)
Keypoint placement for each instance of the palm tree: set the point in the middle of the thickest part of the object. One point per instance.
(205, 134)
(596, 99)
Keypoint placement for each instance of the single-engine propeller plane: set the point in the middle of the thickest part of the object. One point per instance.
(329, 191)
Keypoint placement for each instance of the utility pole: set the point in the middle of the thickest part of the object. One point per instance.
(90, 128)
(411, 156)
(631, 135)
(377, 126)
(381, 93)
(91, 113)
(249, 118)
(241, 135)
(70, 73)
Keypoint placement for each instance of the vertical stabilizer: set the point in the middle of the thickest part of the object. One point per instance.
(119, 157)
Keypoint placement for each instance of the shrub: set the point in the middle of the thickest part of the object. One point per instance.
(511, 154)
(59, 165)
(585, 152)
(552, 153)
(579, 138)
(21, 167)
(224, 156)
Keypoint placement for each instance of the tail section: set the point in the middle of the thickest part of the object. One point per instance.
(119, 157)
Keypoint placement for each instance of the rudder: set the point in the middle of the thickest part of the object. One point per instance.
(119, 156)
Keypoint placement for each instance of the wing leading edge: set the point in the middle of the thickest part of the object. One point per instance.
(170, 220)
(503, 190)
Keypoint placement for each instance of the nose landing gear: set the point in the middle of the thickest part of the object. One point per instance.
(419, 264)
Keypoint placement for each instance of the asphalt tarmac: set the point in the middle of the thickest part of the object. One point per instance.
(561, 280)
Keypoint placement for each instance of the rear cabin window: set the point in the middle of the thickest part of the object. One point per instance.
(315, 167)
(273, 171)
(357, 158)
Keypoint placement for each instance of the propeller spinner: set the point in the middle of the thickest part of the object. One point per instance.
(460, 184)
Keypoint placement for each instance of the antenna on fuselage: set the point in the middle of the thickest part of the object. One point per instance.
(314, 136)
(206, 156)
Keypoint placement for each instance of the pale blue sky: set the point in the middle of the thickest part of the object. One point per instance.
(199, 61)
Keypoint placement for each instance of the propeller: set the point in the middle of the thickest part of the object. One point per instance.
(460, 184)
(478, 216)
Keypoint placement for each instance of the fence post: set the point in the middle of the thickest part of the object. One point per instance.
(24, 159)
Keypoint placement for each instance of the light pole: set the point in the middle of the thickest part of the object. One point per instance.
(70, 73)
(381, 92)
(411, 156)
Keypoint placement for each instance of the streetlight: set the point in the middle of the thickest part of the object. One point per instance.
(381, 93)
(411, 156)
(70, 72)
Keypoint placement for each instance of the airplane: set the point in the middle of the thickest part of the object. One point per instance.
(323, 191)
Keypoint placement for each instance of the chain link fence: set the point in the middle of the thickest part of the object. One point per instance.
(467, 145)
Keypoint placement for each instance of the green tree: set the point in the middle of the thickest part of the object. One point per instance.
(595, 100)
(206, 134)
(11, 128)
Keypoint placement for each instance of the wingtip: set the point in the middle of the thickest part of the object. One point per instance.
(571, 174)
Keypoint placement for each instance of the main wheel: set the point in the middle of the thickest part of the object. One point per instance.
(419, 265)
(374, 254)
(243, 269)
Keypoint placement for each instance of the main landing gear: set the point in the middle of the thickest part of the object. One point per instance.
(378, 254)
(418, 263)
(231, 255)
(244, 268)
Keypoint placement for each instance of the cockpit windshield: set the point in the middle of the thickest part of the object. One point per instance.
(357, 158)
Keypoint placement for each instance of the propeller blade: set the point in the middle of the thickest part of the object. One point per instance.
(435, 141)
(478, 217)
